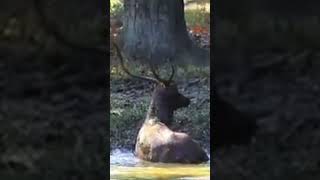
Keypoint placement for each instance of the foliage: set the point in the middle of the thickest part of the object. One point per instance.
(196, 119)
(124, 118)
(196, 1)
(197, 17)
(123, 114)
(116, 7)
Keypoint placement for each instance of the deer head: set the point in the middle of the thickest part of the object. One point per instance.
(165, 98)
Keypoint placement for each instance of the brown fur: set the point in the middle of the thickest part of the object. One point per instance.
(156, 142)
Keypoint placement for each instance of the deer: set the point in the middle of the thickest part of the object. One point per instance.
(155, 141)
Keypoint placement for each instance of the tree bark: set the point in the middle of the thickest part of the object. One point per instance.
(155, 30)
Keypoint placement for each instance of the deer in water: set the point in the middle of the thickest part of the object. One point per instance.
(155, 141)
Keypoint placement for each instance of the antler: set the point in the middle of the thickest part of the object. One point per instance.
(156, 78)
(127, 71)
(165, 82)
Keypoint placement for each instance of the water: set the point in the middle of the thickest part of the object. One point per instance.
(124, 165)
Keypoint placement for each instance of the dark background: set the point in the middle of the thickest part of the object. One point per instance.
(266, 63)
(54, 90)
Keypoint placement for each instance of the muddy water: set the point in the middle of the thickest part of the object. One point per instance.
(123, 165)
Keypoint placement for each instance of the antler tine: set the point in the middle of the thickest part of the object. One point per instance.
(155, 74)
(165, 82)
(127, 71)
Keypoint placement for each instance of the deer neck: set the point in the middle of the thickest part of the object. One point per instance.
(152, 112)
(155, 114)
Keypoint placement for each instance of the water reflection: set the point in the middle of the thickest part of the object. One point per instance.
(123, 157)
(124, 165)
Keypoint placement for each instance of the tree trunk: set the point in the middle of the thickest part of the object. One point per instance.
(155, 30)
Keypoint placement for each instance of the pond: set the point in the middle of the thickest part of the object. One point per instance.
(124, 165)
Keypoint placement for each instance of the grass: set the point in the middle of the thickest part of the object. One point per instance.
(197, 17)
(124, 118)
(124, 113)
(182, 71)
